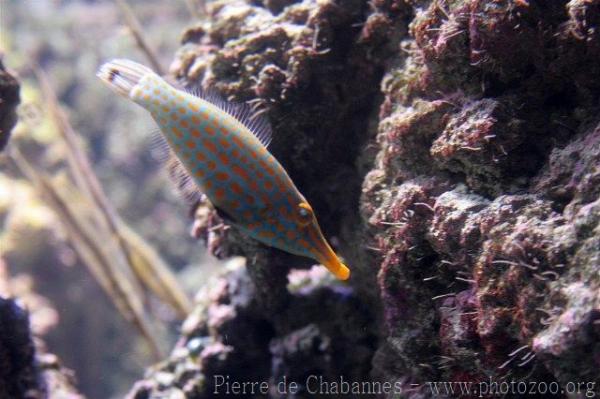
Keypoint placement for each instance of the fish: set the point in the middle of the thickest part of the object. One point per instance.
(222, 149)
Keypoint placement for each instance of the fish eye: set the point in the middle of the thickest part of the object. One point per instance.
(304, 214)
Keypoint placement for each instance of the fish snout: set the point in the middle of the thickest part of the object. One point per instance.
(339, 269)
(328, 258)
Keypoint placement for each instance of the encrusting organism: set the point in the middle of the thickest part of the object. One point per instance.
(222, 148)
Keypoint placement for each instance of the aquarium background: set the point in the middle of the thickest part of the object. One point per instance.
(69, 40)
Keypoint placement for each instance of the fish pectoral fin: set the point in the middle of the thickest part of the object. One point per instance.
(227, 217)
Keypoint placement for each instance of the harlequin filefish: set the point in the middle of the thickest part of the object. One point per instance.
(222, 149)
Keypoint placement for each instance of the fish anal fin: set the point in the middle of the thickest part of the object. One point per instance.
(183, 180)
(159, 148)
(184, 183)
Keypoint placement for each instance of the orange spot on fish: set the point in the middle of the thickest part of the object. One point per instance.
(195, 119)
(199, 173)
(234, 204)
(184, 123)
(223, 130)
(291, 199)
(211, 165)
(174, 116)
(253, 154)
(209, 129)
(304, 243)
(247, 215)
(191, 144)
(250, 199)
(265, 199)
(223, 158)
(235, 153)
(177, 132)
(165, 108)
(181, 109)
(209, 145)
(290, 234)
(283, 211)
(275, 196)
(195, 132)
(194, 107)
(224, 143)
(208, 184)
(222, 176)
(253, 186)
(236, 188)
(266, 234)
(268, 184)
(220, 193)
(241, 172)
(237, 141)
(280, 227)
(281, 185)
(200, 156)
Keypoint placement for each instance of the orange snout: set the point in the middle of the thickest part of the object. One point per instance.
(327, 257)
(336, 267)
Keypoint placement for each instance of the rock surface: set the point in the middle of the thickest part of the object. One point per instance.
(25, 370)
(452, 149)
(9, 99)
(19, 376)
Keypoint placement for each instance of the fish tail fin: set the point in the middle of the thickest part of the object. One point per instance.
(123, 75)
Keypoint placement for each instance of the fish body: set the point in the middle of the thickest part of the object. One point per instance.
(224, 151)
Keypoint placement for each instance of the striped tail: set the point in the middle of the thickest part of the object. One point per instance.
(122, 75)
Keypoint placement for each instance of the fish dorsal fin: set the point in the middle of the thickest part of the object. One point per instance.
(255, 121)
(183, 181)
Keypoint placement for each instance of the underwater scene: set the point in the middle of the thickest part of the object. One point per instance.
(299, 199)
